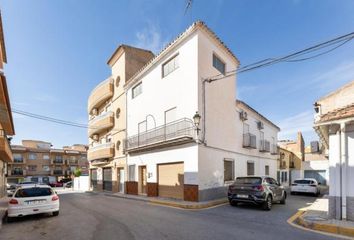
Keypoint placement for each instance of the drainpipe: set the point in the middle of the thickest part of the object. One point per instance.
(343, 169)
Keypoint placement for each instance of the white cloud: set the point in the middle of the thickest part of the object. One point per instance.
(302, 122)
(150, 38)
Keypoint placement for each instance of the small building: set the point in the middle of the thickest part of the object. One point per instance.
(289, 167)
(334, 124)
(37, 161)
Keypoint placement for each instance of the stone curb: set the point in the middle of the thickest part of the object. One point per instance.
(299, 219)
(192, 206)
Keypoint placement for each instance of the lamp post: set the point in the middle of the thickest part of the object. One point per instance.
(196, 119)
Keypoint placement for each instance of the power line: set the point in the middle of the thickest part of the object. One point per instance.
(293, 57)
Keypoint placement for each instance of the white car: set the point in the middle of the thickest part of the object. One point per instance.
(305, 185)
(33, 199)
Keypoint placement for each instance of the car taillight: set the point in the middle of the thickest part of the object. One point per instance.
(55, 197)
(258, 188)
(13, 201)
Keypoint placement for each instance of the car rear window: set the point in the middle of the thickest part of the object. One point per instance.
(33, 192)
(303, 181)
(248, 180)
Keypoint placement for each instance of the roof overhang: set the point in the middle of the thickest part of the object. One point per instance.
(6, 119)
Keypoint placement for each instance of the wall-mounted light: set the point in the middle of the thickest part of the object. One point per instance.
(196, 119)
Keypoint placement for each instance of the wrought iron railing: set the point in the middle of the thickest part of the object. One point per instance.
(264, 146)
(182, 128)
(249, 140)
(57, 172)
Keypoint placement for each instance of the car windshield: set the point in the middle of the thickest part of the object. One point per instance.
(248, 180)
(33, 192)
(303, 181)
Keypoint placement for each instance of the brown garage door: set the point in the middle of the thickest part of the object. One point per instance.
(171, 180)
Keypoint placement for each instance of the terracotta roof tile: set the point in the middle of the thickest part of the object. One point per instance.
(340, 113)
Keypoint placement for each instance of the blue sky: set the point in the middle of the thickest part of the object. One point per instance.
(57, 52)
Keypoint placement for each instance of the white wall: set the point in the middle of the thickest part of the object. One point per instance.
(82, 183)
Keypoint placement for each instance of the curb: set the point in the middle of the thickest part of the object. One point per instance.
(297, 220)
(189, 206)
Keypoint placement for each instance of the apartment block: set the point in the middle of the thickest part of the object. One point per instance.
(188, 137)
(37, 161)
(107, 120)
(334, 124)
(6, 121)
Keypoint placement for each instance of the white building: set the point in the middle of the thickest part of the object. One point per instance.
(334, 123)
(167, 155)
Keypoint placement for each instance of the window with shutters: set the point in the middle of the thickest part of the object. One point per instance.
(229, 172)
(250, 168)
(131, 169)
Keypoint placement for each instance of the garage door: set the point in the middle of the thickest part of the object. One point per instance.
(319, 175)
(171, 180)
(94, 179)
(107, 179)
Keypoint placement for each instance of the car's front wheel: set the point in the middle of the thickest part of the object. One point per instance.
(56, 213)
(233, 203)
(282, 201)
(267, 205)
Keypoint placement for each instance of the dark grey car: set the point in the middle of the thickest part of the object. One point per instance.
(263, 191)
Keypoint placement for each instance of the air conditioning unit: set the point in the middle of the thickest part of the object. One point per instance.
(243, 115)
(260, 125)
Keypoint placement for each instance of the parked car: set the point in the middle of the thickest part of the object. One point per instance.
(33, 199)
(10, 189)
(56, 184)
(263, 191)
(65, 180)
(305, 185)
(68, 184)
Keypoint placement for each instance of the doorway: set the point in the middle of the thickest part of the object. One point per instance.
(142, 180)
(121, 180)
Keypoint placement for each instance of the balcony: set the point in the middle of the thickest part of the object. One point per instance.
(282, 165)
(18, 161)
(274, 149)
(177, 132)
(17, 173)
(57, 161)
(264, 146)
(249, 140)
(100, 94)
(5, 150)
(101, 151)
(101, 123)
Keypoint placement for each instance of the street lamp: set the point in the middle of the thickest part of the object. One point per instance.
(196, 119)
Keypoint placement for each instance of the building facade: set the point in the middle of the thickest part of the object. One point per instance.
(334, 124)
(37, 161)
(6, 121)
(288, 163)
(107, 120)
(170, 153)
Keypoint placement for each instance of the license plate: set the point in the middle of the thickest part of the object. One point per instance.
(242, 196)
(35, 202)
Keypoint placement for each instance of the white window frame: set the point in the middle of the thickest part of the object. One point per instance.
(172, 64)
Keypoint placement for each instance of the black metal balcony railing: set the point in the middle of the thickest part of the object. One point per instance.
(179, 129)
(18, 160)
(57, 172)
(58, 161)
(264, 146)
(17, 172)
(249, 140)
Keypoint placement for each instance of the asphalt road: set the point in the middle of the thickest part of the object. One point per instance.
(95, 216)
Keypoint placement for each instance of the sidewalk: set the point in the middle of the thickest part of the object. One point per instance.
(3, 208)
(169, 202)
(315, 217)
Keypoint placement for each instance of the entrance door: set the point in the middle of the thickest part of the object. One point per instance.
(107, 179)
(142, 179)
(171, 180)
(121, 180)
(94, 179)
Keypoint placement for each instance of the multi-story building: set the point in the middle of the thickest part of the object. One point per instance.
(178, 153)
(34, 159)
(334, 124)
(6, 122)
(107, 120)
(288, 162)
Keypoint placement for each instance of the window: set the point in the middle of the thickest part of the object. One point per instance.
(250, 168)
(46, 168)
(33, 192)
(131, 169)
(137, 90)
(246, 128)
(218, 64)
(18, 157)
(170, 66)
(32, 167)
(229, 173)
(284, 176)
(58, 158)
(32, 156)
(170, 115)
(118, 113)
(266, 170)
(45, 157)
